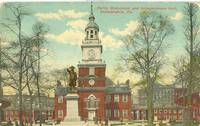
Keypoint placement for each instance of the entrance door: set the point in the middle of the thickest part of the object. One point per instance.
(91, 115)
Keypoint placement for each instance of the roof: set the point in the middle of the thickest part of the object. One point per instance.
(110, 88)
(122, 88)
(92, 23)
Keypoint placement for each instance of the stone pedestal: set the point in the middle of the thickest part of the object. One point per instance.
(72, 107)
(72, 117)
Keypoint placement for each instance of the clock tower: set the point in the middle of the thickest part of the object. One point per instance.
(91, 73)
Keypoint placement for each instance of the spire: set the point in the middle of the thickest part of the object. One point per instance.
(92, 23)
(91, 13)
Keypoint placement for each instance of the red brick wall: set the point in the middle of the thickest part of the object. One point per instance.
(82, 104)
(98, 83)
(83, 71)
(59, 106)
(100, 71)
(120, 106)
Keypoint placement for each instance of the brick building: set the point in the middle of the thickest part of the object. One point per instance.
(12, 112)
(181, 100)
(93, 85)
(163, 103)
(118, 102)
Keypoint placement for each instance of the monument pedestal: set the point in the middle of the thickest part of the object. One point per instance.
(72, 107)
(72, 117)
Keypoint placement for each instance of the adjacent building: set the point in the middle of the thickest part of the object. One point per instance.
(12, 112)
(164, 104)
(181, 100)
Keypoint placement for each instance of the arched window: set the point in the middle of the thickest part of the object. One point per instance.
(91, 102)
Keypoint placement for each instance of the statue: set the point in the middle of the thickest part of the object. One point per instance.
(72, 77)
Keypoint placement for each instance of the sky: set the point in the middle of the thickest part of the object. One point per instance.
(66, 22)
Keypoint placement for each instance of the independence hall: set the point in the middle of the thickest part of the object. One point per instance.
(99, 97)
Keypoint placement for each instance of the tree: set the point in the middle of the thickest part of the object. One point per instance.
(144, 51)
(15, 58)
(181, 69)
(39, 31)
(22, 55)
(193, 47)
(1, 84)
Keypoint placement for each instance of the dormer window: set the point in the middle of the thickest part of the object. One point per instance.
(91, 31)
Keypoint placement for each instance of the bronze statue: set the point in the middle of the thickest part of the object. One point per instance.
(72, 77)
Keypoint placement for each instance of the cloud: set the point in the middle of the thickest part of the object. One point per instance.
(77, 24)
(198, 3)
(75, 34)
(177, 17)
(1, 4)
(75, 37)
(60, 14)
(130, 27)
(109, 41)
(71, 36)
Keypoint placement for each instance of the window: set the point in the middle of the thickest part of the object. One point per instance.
(155, 111)
(91, 36)
(60, 99)
(124, 98)
(125, 113)
(116, 113)
(91, 71)
(91, 103)
(87, 34)
(165, 111)
(97, 104)
(91, 31)
(95, 32)
(60, 113)
(108, 113)
(116, 98)
(108, 98)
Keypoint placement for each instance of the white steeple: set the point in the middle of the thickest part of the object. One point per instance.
(91, 45)
(92, 29)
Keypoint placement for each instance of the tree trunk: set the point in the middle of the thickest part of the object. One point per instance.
(38, 82)
(190, 83)
(20, 71)
(1, 87)
(31, 109)
(149, 102)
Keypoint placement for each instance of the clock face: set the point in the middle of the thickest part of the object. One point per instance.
(91, 82)
(91, 54)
